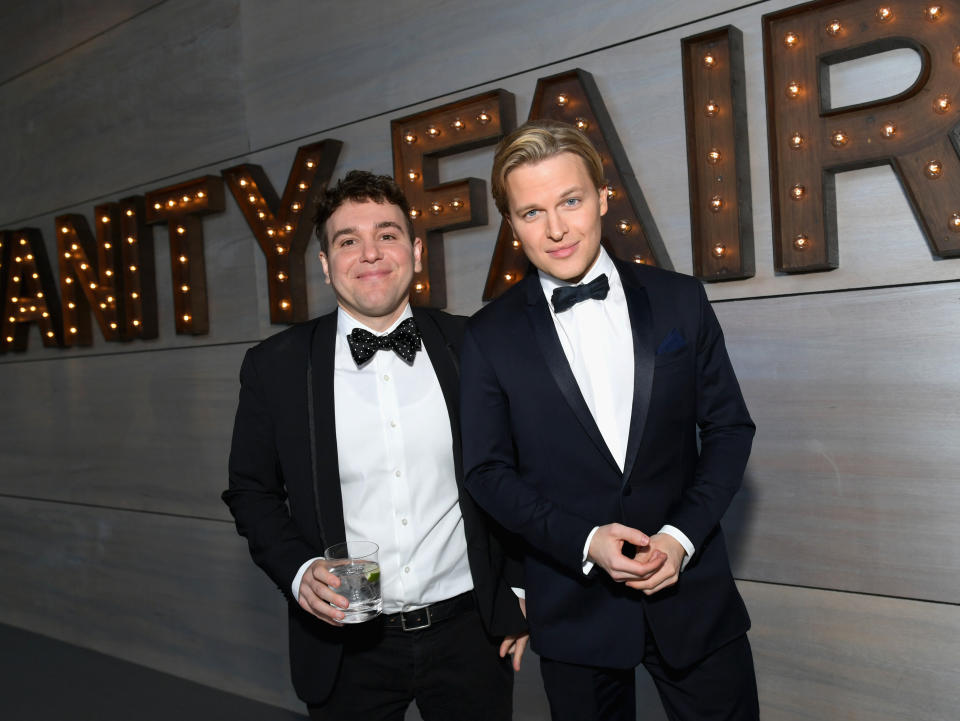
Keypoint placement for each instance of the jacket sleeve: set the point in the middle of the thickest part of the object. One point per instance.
(256, 495)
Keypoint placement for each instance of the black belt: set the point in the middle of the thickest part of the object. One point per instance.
(428, 615)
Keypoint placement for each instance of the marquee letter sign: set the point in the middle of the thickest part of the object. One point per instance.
(181, 207)
(283, 227)
(419, 141)
(718, 161)
(629, 231)
(810, 141)
(29, 291)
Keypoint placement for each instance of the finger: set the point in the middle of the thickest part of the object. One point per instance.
(632, 535)
(318, 604)
(636, 570)
(325, 593)
(521, 646)
(506, 646)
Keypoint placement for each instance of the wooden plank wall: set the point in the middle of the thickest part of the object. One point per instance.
(112, 457)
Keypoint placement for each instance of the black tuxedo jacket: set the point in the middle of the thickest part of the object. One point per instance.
(285, 486)
(536, 460)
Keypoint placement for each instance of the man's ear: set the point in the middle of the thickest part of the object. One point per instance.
(417, 252)
(325, 266)
(603, 200)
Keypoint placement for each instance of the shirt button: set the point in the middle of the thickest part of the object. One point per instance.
(396, 473)
(393, 424)
(404, 521)
(386, 377)
(406, 569)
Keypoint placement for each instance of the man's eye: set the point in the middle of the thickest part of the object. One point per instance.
(388, 236)
(530, 214)
(347, 241)
(571, 202)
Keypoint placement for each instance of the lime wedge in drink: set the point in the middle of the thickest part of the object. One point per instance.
(373, 576)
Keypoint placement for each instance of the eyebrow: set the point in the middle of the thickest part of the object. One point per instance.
(353, 229)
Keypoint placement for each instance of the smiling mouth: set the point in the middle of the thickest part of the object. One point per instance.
(564, 252)
(373, 275)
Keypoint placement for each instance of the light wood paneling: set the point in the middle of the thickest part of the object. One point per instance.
(825, 655)
(178, 595)
(160, 95)
(148, 431)
(852, 483)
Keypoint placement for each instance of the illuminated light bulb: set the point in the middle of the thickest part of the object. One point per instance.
(933, 169)
(184, 288)
(418, 287)
(955, 222)
(109, 299)
(409, 138)
(713, 156)
(412, 174)
(186, 318)
(281, 249)
(303, 186)
(134, 295)
(252, 198)
(295, 207)
(74, 246)
(131, 240)
(23, 241)
(49, 334)
(838, 138)
(105, 219)
(709, 61)
(39, 294)
(582, 124)
(83, 266)
(133, 269)
(93, 286)
(516, 243)
(64, 230)
(113, 326)
(791, 39)
(508, 277)
(834, 28)
(243, 182)
(181, 230)
(129, 213)
(108, 272)
(433, 131)
(436, 208)
(458, 124)
(793, 89)
(288, 228)
(801, 242)
(16, 279)
(624, 227)
(310, 163)
(18, 259)
(798, 192)
(12, 319)
(73, 330)
(562, 99)
(711, 108)
(933, 12)
(33, 309)
(106, 246)
(171, 202)
(183, 259)
(719, 250)
(156, 206)
(456, 203)
(942, 104)
(414, 213)
(281, 277)
(136, 322)
(716, 203)
(200, 194)
(71, 304)
(186, 198)
(888, 130)
(271, 232)
(262, 215)
(639, 259)
(484, 117)
(884, 14)
(284, 304)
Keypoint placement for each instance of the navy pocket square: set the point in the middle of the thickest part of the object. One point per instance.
(673, 342)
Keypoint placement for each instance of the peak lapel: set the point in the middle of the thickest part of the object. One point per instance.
(546, 336)
(644, 354)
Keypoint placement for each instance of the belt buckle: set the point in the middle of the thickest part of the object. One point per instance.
(405, 627)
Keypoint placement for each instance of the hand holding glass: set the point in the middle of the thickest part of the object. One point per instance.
(356, 564)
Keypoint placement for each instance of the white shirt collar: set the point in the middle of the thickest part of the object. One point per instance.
(603, 264)
(346, 322)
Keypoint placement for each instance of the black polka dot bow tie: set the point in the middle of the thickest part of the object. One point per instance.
(568, 296)
(404, 340)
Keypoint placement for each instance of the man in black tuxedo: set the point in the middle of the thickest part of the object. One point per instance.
(582, 391)
(348, 429)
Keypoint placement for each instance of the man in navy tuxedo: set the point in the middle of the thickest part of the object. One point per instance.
(585, 389)
(348, 429)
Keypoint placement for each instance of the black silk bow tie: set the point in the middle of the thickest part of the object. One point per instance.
(568, 296)
(404, 340)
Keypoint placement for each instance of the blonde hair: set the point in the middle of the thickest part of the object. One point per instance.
(538, 140)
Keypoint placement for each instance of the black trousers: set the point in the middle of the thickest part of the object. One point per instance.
(451, 669)
(721, 687)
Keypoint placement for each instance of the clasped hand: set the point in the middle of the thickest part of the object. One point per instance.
(655, 567)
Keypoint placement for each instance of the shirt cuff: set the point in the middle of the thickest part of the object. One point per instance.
(588, 565)
(521, 592)
(682, 539)
(299, 577)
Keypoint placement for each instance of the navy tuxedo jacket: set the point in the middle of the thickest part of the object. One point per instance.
(284, 488)
(536, 460)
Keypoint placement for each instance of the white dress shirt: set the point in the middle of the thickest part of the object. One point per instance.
(397, 478)
(597, 340)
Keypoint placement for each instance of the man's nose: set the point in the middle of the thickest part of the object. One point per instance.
(370, 250)
(556, 227)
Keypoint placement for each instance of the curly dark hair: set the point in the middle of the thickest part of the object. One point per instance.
(359, 186)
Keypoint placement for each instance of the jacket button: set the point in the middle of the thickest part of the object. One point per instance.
(627, 490)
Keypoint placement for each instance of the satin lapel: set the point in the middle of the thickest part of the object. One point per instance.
(644, 355)
(322, 418)
(546, 335)
(443, 356)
